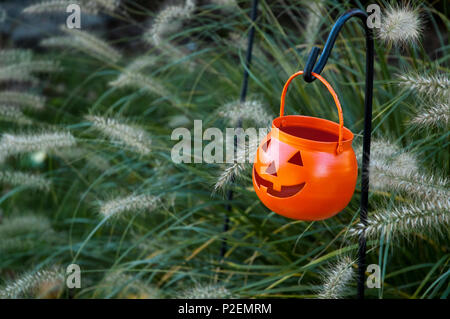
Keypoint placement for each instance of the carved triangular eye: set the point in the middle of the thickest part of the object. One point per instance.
(296, 159)
(272, 170)
(266, 145)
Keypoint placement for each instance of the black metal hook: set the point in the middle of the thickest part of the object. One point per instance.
(311, 65)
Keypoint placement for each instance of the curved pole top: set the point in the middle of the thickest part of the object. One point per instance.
(311, 65)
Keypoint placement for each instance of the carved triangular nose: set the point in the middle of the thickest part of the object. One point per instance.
(271, 169)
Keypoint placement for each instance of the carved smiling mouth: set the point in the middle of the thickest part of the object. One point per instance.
(286, 191)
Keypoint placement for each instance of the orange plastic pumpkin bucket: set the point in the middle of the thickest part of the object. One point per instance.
(305, 168)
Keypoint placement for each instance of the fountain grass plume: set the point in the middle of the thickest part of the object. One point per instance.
(86, 42)
(136, 138)
(37, 66)
(395, 177)
(22, 99)
(11, 56)
(433, 86)
(35, 284)
(228, 175)
(400, 25)
(12, 114)
(13, 144)
(133, 204)
(141, 63)
(435, 116)
(336, 279)
(168, 20)
(22, 179)
(429, 218)
(131, 78)
(393, 169)
(8, 74)
(206, 292)
(22, 71)
(251, 110)
(237, 169)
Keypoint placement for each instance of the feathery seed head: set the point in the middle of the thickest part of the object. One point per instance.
(134, 137)
(93, 45)
(131, 204)
(437, 85)
(336, 279)
(428, 218)
(248, 110)
(206, 292)
(229, 174)
(235, 170)
(9, 74)
(383, 150)
(10, 56)
(412, 184)
(141, 63)
(38, 66)
(393, 169)
(24, 180)
(85, 42)
(400, 25)
(21, 72)
(17, 144)
(390, 157)
(43, 283)
(169, 20)
(12, 114)
(22, 99)
(137, 80)
(433, 116)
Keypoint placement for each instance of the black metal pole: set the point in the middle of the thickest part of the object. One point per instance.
(317, 68)
(244, 89)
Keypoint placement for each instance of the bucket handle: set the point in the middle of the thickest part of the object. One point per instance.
(335, 97)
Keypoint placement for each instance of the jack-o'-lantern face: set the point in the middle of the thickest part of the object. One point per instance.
(300, 182)
(275, 172)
